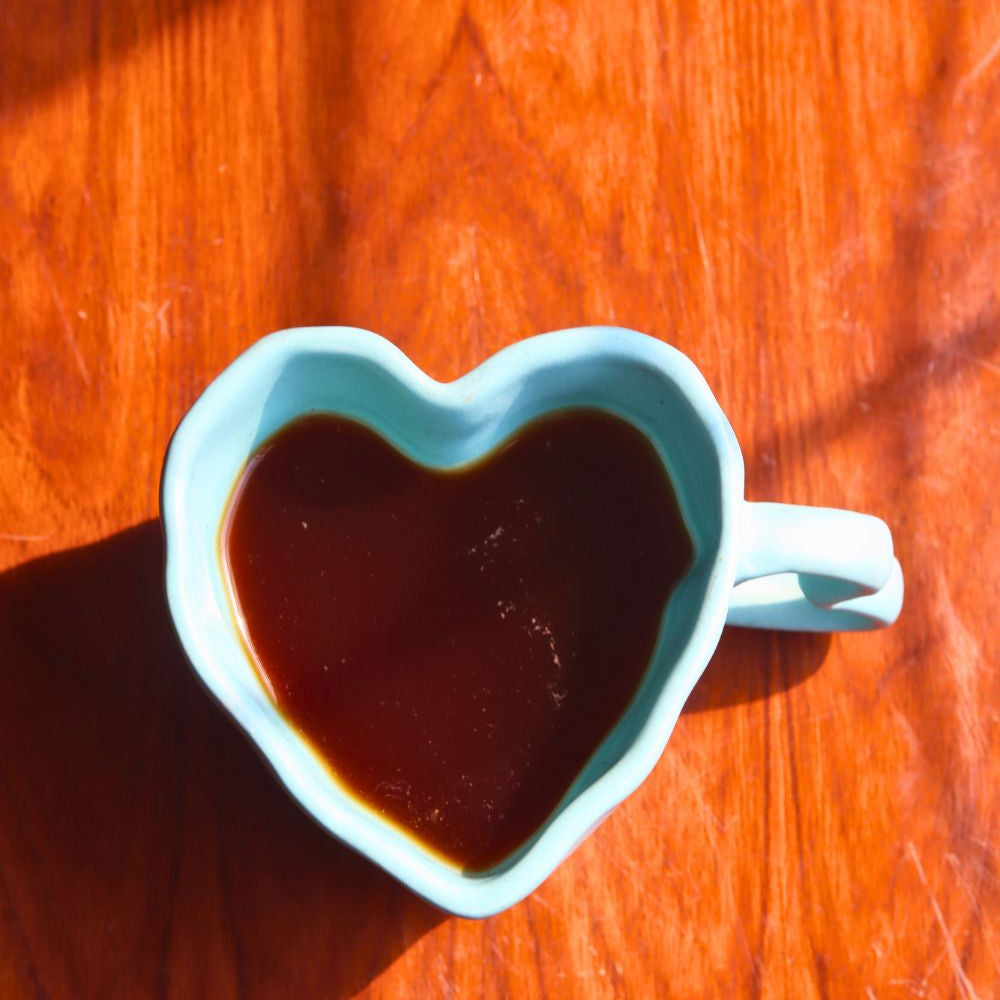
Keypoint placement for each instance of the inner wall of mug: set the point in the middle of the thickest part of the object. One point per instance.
(447, 426)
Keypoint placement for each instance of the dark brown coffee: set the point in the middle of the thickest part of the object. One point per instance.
(455, 645)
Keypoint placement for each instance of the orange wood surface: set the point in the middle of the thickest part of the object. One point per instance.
(805, 198)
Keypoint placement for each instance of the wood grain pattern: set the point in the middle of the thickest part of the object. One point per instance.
(805, 198)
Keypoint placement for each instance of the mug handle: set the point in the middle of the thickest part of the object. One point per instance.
(814, 569)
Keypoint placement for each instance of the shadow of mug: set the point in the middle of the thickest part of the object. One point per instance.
(145, 846)
(750, 664)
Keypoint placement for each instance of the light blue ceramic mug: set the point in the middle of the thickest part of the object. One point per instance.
(756, 564)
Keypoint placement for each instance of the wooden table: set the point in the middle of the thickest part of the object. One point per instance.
(805, 198)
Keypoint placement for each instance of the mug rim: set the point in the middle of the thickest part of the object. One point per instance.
(464, 893)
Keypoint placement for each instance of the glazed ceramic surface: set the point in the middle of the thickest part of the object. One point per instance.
(767, 565)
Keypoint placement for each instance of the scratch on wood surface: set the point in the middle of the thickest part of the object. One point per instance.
(32, 230)
(31, 457)
(917, 989)
(478, 285)
(843, 262)
(9, 536)
(956, 867)
(712, 826)
(158, 315)
(512, 20)
(972, 359)
(63, 316)
(961, 978)
(753, 251)
(539, 900)
(964, 660)
(987, 852)
(977, 71)
(653, 903)
(161, 317)
(706, 261)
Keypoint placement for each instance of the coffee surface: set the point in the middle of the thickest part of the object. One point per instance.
(455, 644)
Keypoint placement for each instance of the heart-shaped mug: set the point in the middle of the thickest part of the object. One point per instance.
(756, 564)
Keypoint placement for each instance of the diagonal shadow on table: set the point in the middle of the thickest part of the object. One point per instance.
(44, 45)
(145, 848)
